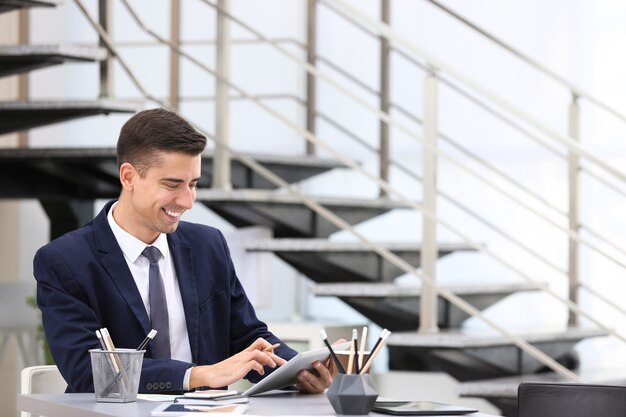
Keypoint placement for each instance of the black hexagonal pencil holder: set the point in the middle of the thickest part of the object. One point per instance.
(352, 394)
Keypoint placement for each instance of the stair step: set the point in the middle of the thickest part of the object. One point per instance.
(332, 261)
(16, 59)
(397, 307)
(93, 173)
(323, 260)
(285, 214)
(466, 339)
(8, 5)
(22, 115)
(507, 387)
(472, 355)
(383, 290)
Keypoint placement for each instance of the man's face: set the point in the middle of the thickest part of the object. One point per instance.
(162, 195)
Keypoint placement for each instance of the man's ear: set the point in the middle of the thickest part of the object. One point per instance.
(128, 176)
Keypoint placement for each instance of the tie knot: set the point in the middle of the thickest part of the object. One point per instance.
(152, 253)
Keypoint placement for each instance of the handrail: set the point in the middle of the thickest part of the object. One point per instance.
(522, 344)
(383, 184)
(535, 64)
(572, 234)
(385, 30)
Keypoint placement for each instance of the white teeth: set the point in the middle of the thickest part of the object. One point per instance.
(173, 213)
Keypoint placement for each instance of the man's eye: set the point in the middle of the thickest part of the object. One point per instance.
(193, 185)
(171, 186)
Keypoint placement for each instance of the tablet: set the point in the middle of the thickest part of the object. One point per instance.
(286, 374)
(175, 409)
(420, 408)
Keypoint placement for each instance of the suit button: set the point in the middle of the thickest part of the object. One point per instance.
(168, 385)
(149, 385)
(162, 385)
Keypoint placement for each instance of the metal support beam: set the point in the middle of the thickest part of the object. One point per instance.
(311, 55)
(221, 164)
(384, 96)
(105, 18)
(174, 55)
(22, 80)
(428, 307)
(67, 215)
(574, 208)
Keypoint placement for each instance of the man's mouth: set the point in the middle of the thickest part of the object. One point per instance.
(175, 214)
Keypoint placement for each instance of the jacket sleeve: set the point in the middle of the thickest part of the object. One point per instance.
(70, 323)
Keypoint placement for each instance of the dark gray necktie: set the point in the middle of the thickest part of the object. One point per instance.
(159, 318)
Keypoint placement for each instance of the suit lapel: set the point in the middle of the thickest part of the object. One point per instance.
(113, 262)
(183, 263)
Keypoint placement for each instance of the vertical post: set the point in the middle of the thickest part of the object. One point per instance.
(174, 55)
(22, 80)
(428, 304)
(106, 66)
(311, 58)
(384, 97)
(574, 208)
(221, 159)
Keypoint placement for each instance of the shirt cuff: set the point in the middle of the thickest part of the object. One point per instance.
(187, 378)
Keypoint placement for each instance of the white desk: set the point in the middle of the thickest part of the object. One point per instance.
(84, 405)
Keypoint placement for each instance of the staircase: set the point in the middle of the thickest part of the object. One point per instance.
(67, 181)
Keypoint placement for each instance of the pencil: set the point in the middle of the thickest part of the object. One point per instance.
(351, 357)
(363, 346)
(332, 352)
(270, 348)
(377, 347)
(147, 340)
(355, 342)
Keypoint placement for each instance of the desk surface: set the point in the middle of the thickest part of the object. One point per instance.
(84, 405)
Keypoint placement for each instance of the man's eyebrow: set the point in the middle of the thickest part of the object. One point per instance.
(178, 180)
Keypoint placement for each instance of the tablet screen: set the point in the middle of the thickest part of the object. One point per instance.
(420, 408)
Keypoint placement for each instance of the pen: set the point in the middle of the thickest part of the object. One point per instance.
(147, 340)
(332, 352)
(377, 347)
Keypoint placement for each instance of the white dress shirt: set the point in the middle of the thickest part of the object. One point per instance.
(139, 267)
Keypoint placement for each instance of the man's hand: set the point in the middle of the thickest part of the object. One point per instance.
(228, 371)
(320, 378)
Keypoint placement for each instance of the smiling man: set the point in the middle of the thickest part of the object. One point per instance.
(137, 266)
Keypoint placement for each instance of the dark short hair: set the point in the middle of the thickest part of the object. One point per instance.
(154, 130)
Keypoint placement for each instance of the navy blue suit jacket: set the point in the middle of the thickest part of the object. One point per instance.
(83, 284)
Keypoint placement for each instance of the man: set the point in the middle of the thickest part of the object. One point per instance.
(136, 266)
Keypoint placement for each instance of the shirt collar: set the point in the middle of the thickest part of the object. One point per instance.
(130, 245)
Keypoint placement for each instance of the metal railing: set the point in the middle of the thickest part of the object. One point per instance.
(429, 213)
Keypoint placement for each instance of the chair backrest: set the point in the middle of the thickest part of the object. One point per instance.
(43, 379)
(570, 400)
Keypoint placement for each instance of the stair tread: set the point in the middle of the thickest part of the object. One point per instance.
(325, 245)
(103, 104)
(271, 196)
(61, 50)
(461, 338)
(7, 5)
(106, 152)
(379, 290)
(506, 387)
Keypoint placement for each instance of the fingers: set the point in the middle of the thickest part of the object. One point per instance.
(310, 383)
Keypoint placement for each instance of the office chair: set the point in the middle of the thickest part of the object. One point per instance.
(43, 379)
(570, 400)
